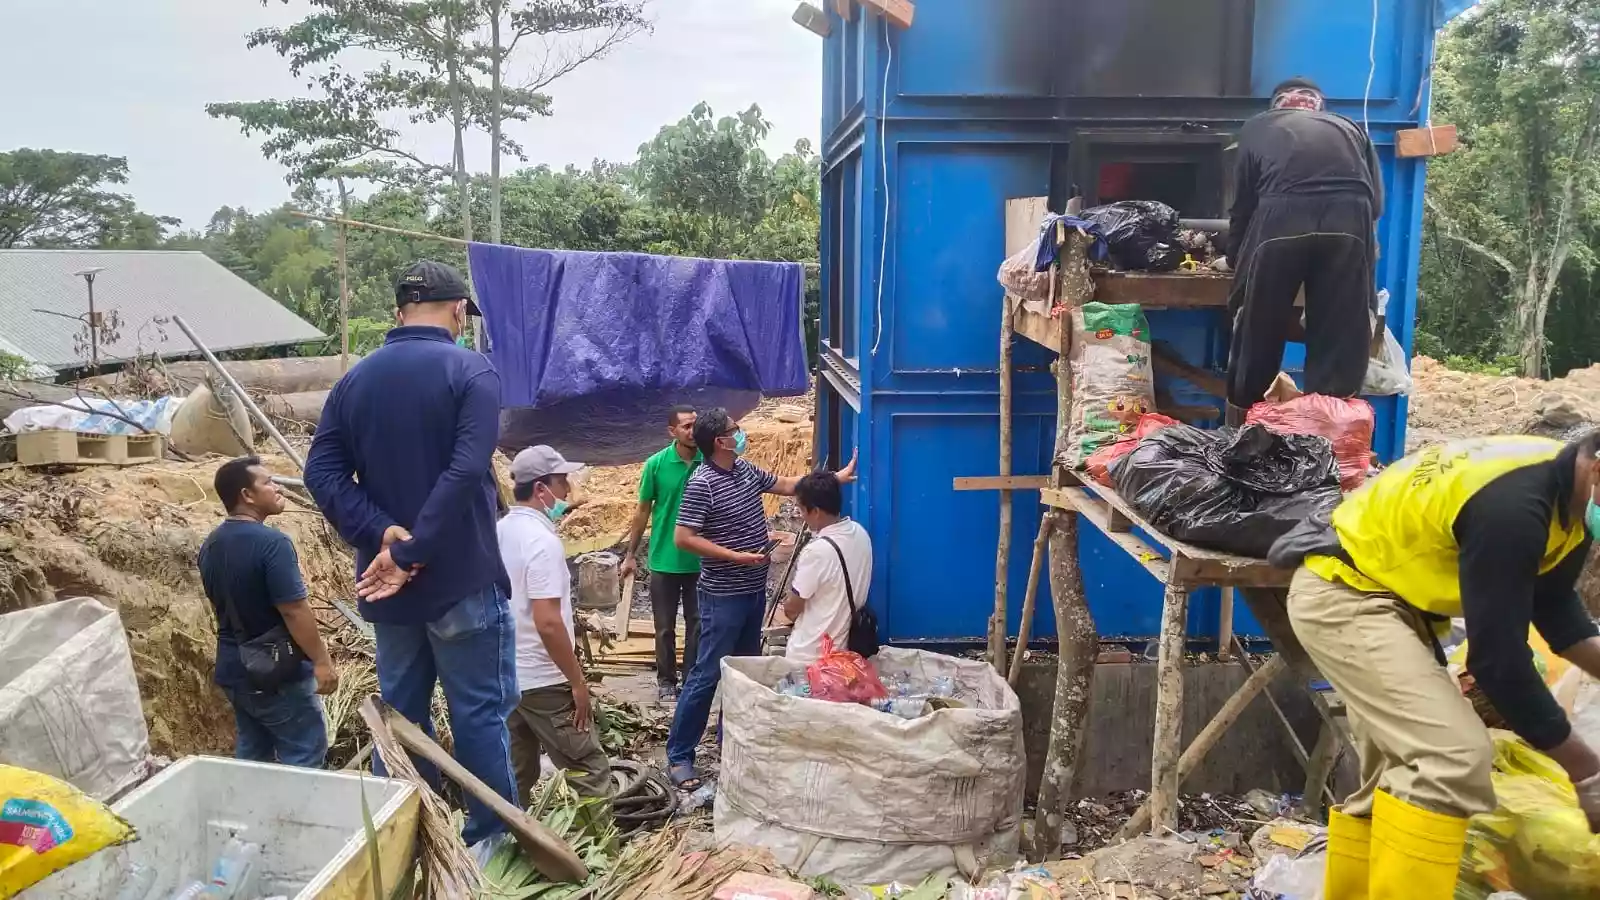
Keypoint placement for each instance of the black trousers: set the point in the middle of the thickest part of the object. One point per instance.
(1325, 244)
(667, 592)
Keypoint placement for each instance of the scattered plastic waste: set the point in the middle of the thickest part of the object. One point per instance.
(701, 798)
(1270, 804)
(194, 890)
(1291, 879)
(904, 707)
(793, 685)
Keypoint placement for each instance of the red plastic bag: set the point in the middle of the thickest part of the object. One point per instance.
(1347, 424)
(844, 677)
(1099, 462)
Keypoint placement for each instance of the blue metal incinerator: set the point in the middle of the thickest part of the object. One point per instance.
(929, 129)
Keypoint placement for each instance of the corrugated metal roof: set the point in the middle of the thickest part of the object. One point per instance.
(141, 285)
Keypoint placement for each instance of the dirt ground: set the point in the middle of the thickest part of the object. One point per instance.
(1447, 404)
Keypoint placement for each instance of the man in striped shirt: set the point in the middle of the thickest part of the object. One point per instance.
(721, 520)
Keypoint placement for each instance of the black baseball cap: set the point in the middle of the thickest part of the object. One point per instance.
(426, 281)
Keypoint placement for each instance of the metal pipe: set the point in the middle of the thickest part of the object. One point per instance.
(249, 404)
(1219, 226)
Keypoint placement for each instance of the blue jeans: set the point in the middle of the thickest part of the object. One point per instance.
(471, 652)
(729, 626)
(283, 726)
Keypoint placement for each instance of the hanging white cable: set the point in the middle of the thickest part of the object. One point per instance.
(883, 160)
(1372, 70)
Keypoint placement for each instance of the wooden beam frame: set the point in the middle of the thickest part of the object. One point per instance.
(1001, 483)
(898, 12)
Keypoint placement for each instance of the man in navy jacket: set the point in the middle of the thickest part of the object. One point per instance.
(401, 466)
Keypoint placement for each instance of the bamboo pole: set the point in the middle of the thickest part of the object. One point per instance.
(387, 229)
(1031, 598)
(1208, 737)
(249, 404)
(344, 299)
(997, 623)
(1225, 626)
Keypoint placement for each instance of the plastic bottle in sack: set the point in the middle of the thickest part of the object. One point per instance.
(137, 880)
(233, 874)
(194, 890)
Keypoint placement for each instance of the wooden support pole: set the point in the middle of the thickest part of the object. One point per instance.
(1169, 710)
(1030, 599)
(1225, 626)
(997, 622)
(1079, 640)
(1207, 739)
(1069, 712)
(1319, 767)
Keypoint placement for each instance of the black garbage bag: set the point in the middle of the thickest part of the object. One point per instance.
(1142, 234)
(1234, 490)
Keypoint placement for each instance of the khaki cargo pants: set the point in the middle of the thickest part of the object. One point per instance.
(543, 723)
(1418, 737)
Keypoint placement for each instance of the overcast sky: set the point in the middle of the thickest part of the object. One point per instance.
(132, 77)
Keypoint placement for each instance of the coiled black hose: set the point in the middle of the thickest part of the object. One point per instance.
(643, 797)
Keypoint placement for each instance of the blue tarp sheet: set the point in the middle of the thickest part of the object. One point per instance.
(570, 324)
(593, 349)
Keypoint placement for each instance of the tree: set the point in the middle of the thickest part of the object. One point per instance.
(55, 199)
(1522, 79)
(571, 33)
(710, 176)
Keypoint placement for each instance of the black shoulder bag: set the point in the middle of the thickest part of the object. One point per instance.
(271, 659)
(863, 622)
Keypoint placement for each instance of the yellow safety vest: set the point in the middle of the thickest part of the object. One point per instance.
(1398, 528)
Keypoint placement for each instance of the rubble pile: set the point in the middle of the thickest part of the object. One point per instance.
(1447, 404)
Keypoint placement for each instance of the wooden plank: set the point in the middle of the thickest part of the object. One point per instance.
(1099, 515)
(1002, 483)
(1023, 215)
(898, 12)
(625, 607)
(1157, 290)
(1164, 780)
(1225, 626)
(1319, 767)
(1207, 739)
(1438, 140)
(1170, 364)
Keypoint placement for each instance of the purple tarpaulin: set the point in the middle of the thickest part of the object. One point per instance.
(594, 348)
(570, 324)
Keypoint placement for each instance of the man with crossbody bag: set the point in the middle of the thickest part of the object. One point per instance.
(828, 595)
(271, 661)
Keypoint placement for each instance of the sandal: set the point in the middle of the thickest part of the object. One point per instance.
(683, 777)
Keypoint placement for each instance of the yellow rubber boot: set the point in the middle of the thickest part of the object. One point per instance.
(1349, 857)
(1416, 854)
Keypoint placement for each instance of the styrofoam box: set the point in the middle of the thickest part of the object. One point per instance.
(308, 823)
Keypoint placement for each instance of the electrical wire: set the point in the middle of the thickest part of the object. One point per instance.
(883, 161)
(1372, 71)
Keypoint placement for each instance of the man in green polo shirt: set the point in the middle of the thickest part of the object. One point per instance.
(673, 572)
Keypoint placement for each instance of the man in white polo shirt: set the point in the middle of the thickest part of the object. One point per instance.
(833, 574)
(554, 716)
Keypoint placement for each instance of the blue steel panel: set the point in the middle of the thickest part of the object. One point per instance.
(949, 236)
(1329, 43)
(851, 170)
(938, 568)
(956, 155)
(984, 68)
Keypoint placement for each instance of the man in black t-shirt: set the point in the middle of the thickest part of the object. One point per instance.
(252, 577)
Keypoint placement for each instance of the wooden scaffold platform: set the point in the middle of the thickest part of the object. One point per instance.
(1072, 503)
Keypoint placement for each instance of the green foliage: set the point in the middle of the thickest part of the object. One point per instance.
(14, 367)
(1510, 237)
(54, 199)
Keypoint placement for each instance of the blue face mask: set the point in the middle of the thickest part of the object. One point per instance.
(556, 512)
(739, 443)
(1593, 519)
